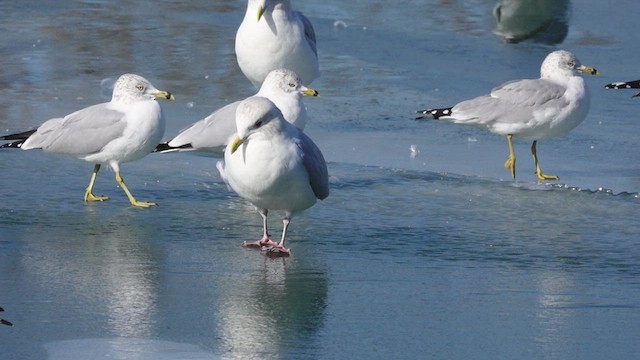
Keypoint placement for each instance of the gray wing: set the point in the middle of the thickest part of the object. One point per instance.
(309, 32)
(534, 92)
(510, 102)
(211, 133)
(83, 132)
(315, 164)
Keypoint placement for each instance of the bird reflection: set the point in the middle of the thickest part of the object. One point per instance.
(106, 266)
(554, 311)
(543, 21)
(261, 315)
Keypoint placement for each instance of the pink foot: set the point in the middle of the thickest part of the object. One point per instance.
(276, 251)
(264, 242)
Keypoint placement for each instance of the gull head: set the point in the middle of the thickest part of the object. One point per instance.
(285, 81)
(563, 64)
(255, 116)
(131, 88)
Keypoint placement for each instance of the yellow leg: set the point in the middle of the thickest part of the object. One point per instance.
(133, 200)
(511, 160)
(541, 175)
(88, 194)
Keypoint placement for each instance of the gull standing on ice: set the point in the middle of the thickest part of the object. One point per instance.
(625, 85)
(274, 166)
(125, 129)
(283, 87)
(532, 109)
(272, 36)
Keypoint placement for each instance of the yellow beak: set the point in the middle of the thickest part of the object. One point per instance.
(310, 92)
(260, 12)
(164, 95)
(588, 70)
(235, 144)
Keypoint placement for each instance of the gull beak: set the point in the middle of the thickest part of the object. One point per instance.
(588, 70)
(310, 92)
(164, 95)
(260, 12)
(235, 144)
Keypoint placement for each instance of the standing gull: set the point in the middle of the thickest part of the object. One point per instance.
(283, 87)
(125, 129)
(274, 166)
(625, 85)
(271, 36)
(531, 109)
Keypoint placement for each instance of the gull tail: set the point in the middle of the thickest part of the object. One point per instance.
(19, 137)
(625, 85)
(165, 148)
(434, 113)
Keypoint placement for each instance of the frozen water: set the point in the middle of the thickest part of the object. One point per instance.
(438, 255)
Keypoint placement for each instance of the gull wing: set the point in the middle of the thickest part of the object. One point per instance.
(315, 164)
(83, 132)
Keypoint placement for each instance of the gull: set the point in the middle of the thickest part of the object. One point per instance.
(271, 36)
(544, 21)
(625, 85)
(211, 134)
(274, 166)
(127, 128)
(532, 109)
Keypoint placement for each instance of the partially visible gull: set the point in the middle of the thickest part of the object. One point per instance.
(625, 85)
(272, 36)
(283, 87)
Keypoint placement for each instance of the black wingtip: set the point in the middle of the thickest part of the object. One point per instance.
(162, 147)
(13, 145)
(165, 147)
(434, 113)
(19, 136)
(624, 85)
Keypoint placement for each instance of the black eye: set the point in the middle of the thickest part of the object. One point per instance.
(257, 124)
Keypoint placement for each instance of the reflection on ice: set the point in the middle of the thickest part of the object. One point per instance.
(260, 315)
(553, 318)
(112, 271)
(544, 21)
(123, 348)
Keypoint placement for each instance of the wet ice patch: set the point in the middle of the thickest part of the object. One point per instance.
(124, 348)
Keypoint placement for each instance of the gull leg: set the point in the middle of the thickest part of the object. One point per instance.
(88, 194)
(266, 238)
(511, 160)
(541, 175)
(132, 199)
(280, 249)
